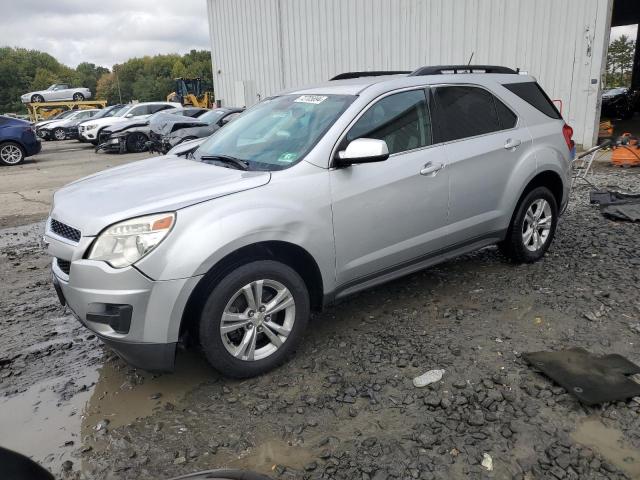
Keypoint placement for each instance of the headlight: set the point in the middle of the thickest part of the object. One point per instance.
(124, 243)
(91, 127)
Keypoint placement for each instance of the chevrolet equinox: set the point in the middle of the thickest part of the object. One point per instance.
(309, 196)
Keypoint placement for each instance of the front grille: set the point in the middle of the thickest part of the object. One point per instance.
(65, 231)
(64, 265)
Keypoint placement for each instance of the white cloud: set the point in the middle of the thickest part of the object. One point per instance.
(105, 32)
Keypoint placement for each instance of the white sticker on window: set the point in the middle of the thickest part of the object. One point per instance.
(315, 99)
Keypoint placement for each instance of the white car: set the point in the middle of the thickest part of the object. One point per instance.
(56, 130)
(57, 92)
(90, 131)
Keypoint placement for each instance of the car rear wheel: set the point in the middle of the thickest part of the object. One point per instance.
(78, 97)
(532, 227)
(59, 134)
(11, 153)
(137, 142)
(37, 98)
(254, 318)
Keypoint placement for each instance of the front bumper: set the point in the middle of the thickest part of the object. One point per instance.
(87, 135)
(96, 293)
(112, 144)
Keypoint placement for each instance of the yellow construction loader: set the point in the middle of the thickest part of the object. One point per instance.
(189, 91)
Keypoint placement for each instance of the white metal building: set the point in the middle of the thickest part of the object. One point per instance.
(260, 47)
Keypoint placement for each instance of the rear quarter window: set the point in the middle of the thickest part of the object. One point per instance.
(533, 94)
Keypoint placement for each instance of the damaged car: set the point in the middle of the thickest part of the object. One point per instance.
(133, 111)
(133, 136)
(58, 129)
(165, 139)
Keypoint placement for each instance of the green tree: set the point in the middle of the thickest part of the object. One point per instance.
(620, 62)
(143, 79)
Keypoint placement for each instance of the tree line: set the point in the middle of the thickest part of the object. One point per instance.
(143, 79)
(619, 62)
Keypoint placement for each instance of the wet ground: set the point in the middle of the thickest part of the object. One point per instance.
(345, 407)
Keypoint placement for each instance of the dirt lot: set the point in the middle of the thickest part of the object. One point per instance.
(344, 407)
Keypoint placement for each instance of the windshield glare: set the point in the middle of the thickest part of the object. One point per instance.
(212, 116)
(278, 132)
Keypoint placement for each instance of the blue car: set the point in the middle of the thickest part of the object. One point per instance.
(18, 140)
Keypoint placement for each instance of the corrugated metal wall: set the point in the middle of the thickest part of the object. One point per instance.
(262, 46)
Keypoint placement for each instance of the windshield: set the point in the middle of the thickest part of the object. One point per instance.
(123, 111)
(277, 132)
(108, 112)
(64, 114)
(52, 87)
(615, 91)
(212, 116)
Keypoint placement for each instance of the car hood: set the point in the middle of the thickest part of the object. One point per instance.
(54, 124)
(164, 124)
(129, 123)
(155, 185)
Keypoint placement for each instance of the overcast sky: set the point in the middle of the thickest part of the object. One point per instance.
(628, 30)
(105, 32)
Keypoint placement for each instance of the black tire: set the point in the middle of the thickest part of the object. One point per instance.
(78, 97)
(137, 142)
(37, 98)
(211, 338)
(11, 154)
(514, 245)
(58, 134)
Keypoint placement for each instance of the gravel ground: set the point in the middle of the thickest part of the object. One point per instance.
(345, 407)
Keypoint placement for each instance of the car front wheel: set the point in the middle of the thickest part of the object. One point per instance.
(254, 318)
(532, 227)
(37, 99)
(59, 134)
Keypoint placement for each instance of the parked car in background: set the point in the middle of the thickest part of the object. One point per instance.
(56, 130)
(59, 116)
(92, 130)
(165, 139)
(18, 140)
(308, 197)
(109, 111)
(619, 103)
(133, 135)
(57, 92)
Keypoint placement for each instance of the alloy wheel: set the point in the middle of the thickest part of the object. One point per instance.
(10, 154)
(257, 320)
(537, 225)
(59, 134)
(78, 97)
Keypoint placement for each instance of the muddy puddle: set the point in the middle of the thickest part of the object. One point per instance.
(609, 443)
(51, 424)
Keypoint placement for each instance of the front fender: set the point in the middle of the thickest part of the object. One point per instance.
(291, 208)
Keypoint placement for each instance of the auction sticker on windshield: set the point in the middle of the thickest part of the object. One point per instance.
(288, 157)
(315, 99)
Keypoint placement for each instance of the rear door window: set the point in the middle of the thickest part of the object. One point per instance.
(465, 111)
(401, 120)
(533, 94)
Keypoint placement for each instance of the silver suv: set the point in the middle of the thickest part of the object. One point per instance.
(308, 197)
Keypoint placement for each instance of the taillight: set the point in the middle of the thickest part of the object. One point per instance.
(567, 131)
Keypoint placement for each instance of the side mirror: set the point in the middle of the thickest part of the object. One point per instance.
(128, 115)
(362, 150)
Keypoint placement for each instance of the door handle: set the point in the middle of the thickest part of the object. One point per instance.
(431, 169)
(512, 143)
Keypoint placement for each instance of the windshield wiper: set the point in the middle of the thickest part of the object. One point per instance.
(239, 164)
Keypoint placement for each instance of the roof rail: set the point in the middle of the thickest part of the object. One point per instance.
(446, 69)
(376, 73)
